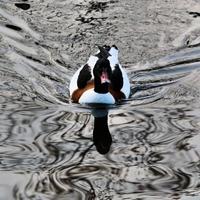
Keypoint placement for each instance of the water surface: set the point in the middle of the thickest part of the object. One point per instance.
(48, 146)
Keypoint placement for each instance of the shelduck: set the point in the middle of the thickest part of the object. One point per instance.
(102, 80)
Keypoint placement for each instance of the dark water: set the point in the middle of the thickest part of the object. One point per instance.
(48, 147)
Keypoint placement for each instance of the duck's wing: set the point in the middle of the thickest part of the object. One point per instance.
(120, 81)
(80, 78)
(82, 75)
(117, 78)
(113, 58)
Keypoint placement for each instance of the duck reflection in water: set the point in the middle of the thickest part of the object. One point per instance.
(101, 135)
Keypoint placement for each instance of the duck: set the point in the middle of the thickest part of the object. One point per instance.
(102, 80)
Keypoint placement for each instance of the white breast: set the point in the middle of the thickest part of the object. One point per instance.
(90, 96)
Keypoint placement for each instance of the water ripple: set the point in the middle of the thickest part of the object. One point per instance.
(48, 146)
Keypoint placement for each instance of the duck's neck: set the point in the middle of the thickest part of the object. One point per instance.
(100, 88)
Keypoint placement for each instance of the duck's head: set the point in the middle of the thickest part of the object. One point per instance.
(102, 72)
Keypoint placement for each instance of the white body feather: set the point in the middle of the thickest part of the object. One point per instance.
(90, 96)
